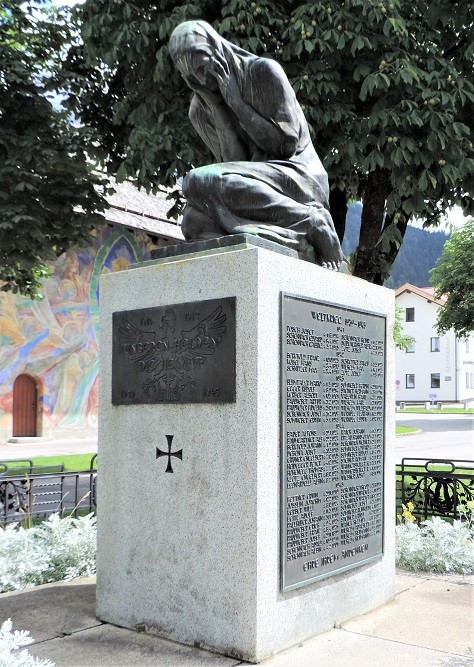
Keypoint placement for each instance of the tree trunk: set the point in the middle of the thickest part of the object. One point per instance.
(369, 263)
(391, 255)
(338, 209)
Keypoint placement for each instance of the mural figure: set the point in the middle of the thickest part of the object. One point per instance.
(55, 340)
(268, 179)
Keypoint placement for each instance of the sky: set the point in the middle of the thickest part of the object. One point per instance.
(456, 217)
(453, 220)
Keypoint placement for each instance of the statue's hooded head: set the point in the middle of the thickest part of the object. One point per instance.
(192, 47)
(192, 36)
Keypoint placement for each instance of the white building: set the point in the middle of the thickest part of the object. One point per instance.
(436, 368)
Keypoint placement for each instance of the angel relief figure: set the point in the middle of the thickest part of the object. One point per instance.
(267, 179)
(167, 361)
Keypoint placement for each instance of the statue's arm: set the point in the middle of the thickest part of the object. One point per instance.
(269, 111)
(213, 124)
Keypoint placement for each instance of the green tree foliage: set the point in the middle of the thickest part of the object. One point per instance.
(385, 87)
(403, 342)
(453, 278)
(48, 196)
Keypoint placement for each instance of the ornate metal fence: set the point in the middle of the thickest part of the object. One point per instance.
(28, 491)
(436, 487)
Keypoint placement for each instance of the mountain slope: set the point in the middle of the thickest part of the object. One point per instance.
(418, 255)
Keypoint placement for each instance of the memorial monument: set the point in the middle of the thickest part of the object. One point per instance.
(246, 499)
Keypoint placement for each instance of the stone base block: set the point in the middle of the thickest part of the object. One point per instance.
(194, 555)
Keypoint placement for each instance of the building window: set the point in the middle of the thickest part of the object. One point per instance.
(410, 381)
(435, 381)
(409, 314)
(410, 349)
(467, 380)
(435, 344)
(467, 345)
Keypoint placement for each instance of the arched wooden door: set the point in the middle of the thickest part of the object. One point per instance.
(25, 398)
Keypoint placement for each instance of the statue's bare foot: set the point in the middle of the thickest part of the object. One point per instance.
(323, 237)
(333, 266)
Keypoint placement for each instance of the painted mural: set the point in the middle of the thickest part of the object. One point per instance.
(55, 340)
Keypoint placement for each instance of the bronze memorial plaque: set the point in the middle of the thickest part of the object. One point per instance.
(333, 393)
(179, 353)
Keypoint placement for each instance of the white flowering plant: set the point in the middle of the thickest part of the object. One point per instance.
(436, 545)
(11, 642)
(50, 551)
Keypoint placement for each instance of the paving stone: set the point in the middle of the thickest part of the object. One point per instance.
(108, 646)
(436, 614)
(339, 647)
(52, 610)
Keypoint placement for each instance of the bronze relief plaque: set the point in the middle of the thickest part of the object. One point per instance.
(178, 353)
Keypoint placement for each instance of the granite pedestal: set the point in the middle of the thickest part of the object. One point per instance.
(194, 555)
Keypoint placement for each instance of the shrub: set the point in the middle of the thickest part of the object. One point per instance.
(436, 545)
(10, 642)
(53, 550)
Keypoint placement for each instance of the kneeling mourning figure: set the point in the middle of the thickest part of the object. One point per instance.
(267, 179)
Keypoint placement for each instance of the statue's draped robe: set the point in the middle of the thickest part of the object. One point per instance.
(278, 190)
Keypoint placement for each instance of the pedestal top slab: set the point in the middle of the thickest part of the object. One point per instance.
(222, 243)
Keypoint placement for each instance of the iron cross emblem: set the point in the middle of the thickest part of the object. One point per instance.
(169, 453)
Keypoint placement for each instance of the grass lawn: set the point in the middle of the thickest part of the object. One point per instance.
(400, 430)
(72, 462)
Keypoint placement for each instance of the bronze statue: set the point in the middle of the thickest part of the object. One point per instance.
(268, 179)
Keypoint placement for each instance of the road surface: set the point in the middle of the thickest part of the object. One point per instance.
(442, 437)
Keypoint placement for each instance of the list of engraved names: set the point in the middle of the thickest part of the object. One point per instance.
(333, 375)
